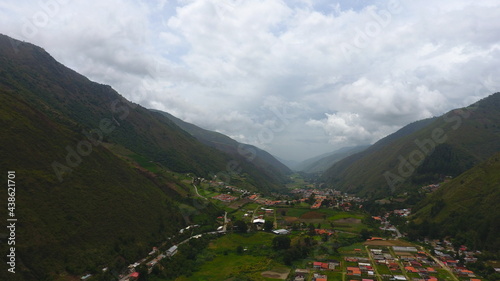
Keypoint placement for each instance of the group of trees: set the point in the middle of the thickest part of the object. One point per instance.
(291, 252)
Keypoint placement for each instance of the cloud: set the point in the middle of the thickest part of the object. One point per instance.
(344, 72)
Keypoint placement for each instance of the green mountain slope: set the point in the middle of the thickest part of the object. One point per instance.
(243, 153)
(422, 152)
(466, 208)
(103, 210)
(80, 203)
(50, 86)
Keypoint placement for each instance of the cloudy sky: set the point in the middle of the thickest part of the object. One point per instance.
(297, 78)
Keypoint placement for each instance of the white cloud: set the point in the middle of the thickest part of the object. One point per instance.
(370, 66)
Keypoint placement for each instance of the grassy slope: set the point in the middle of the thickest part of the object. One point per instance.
(469, 140)
(468, 206)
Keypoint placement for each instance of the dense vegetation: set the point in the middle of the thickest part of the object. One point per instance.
(102, 210)
(98, 178)
(466, 209)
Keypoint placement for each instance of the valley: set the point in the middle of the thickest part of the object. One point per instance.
(107, 189)
(282, 238)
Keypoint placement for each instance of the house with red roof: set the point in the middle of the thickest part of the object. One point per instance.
(134, 276)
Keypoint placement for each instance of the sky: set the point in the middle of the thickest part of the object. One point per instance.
(297, 78)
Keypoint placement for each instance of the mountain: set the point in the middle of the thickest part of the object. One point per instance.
(466, 208)
(243, 153)
(98, 180)
(78, 205)
(322, 162)
(422, 152)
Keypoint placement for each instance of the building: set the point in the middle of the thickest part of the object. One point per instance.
(404, 249)
(281, 231)
(171, 251)
(133, 276)
(258, 221)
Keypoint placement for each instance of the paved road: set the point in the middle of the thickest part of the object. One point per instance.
(440, 263)
(379, 278)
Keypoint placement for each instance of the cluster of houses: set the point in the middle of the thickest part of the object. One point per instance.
(307, 192)
(319, 277)
(302, 274)
(362, 267)
(319, 200)
(430, 188)
(328, 265)
(402, 212)
(441, 250)
(324, 231)
(415, 261)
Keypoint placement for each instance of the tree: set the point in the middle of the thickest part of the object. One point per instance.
(268, 225)
(365, 234)
(311, 229)
(143, 272)
(281, 242)
(311, 199)
(241, 226)
(325, 237)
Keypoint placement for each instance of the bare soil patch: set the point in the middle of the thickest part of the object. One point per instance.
(290, 219)
(281, 274)
(348, 221)
(312, 215)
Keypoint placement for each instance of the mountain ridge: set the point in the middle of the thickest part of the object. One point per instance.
(422, 152)
(246, 156)
(100, 180)
(324, 161)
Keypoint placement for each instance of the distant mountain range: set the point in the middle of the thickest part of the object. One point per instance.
(99, 179)
(422, 152)
(324, 161)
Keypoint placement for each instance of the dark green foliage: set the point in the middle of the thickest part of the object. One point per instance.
(188, 259)
(241, 226)
(445, 160)
(239, 249)
(365, 234)
(268, 225)
(467, 208)
(281, 242)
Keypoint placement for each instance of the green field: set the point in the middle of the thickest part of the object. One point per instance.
(251, 263)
